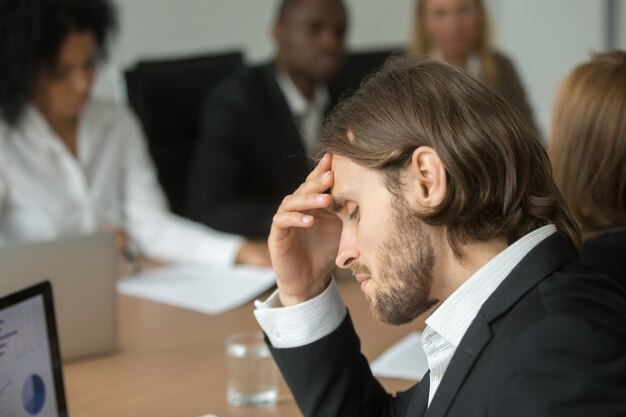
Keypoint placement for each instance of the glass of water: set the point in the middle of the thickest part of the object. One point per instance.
(252, 375)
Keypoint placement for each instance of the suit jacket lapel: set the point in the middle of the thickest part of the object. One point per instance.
(291, 139)
(475, 340)
(549, 255)
(419, 402)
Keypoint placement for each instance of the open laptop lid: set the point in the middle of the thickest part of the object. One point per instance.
(31, 379)
(82, 270)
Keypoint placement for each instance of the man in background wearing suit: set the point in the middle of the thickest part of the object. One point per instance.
(439, 198)
(259, 125)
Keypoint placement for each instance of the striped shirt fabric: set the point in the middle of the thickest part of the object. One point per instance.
(449, 322)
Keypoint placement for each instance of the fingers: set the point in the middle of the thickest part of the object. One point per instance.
(320, 179)
(290, 213)
(304, 202)
(323, 166)
(309, 196)
(316, 185)
(121, 236)
(254, 253)
(290, 219)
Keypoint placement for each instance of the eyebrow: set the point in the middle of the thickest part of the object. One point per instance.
(336, 207)
(338, 203)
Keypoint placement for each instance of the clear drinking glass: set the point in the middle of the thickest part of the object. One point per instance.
(252, 375)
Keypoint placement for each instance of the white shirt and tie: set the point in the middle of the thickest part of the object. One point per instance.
(308, 114)
(48, 193)
(302, 324)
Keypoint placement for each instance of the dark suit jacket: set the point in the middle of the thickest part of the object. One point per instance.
(510, 85)
(606, 253)
(249, 157)
(550, 341)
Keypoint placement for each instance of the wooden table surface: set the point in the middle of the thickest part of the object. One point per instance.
(171, 362)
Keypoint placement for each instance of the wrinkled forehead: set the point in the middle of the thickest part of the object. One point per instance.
(350, 179)
(345, 182)
(344, 170)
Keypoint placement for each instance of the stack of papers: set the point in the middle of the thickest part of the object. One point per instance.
(199, 287)
(404, 360)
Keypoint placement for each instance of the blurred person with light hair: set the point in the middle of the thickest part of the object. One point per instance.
(588, 151)
(459, 33)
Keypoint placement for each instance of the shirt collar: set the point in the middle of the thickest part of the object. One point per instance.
(297, 102)
(455, 315)
(472, 66)
(35, 129)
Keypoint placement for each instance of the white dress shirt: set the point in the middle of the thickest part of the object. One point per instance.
(449, 322)
(47, 193)
(472, 65)
(308, 114)
(310, 321)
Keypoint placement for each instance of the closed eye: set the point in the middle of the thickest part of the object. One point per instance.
(354, 214)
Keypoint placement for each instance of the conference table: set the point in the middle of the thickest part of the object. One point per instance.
(171, 362)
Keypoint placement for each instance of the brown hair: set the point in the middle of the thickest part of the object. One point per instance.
(498, 175)
(588, 141)
(421, 46)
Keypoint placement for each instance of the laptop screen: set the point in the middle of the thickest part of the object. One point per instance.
(31, 381)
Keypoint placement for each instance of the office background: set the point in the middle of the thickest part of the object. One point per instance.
(545, 38)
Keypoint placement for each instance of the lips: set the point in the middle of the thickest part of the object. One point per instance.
(363, 280)
(78, 105)
(328, 61)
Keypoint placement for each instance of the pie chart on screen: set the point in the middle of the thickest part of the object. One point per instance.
(33, 394)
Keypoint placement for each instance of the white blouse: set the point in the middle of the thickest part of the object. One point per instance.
(47, 193)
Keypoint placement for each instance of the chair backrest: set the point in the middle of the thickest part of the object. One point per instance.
(167, 95)
(357, 66)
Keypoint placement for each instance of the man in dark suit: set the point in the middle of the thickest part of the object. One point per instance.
(259, 124)
(439, 198)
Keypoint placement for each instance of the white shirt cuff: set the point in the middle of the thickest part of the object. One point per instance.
(301, 324)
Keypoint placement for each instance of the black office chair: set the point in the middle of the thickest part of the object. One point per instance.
(166, 96)
(357, 66)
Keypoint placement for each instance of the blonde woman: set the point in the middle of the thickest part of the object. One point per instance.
(588, 151)
(458, 32)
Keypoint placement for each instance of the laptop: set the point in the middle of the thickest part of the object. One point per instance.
(31, 374)
(83, 271)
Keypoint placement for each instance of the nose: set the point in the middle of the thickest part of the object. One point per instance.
(331, 39)
(348, 252)
(81, 82)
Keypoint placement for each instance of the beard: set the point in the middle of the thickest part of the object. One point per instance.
(404, 262)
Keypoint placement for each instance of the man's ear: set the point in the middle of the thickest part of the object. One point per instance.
(425, 180)
(278, 33)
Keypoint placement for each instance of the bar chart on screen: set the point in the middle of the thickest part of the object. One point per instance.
(20, 334)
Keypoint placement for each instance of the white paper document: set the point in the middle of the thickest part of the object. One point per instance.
(202, 288)
(404, 360)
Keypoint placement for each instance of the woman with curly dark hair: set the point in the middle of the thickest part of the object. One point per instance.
(70, 164)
